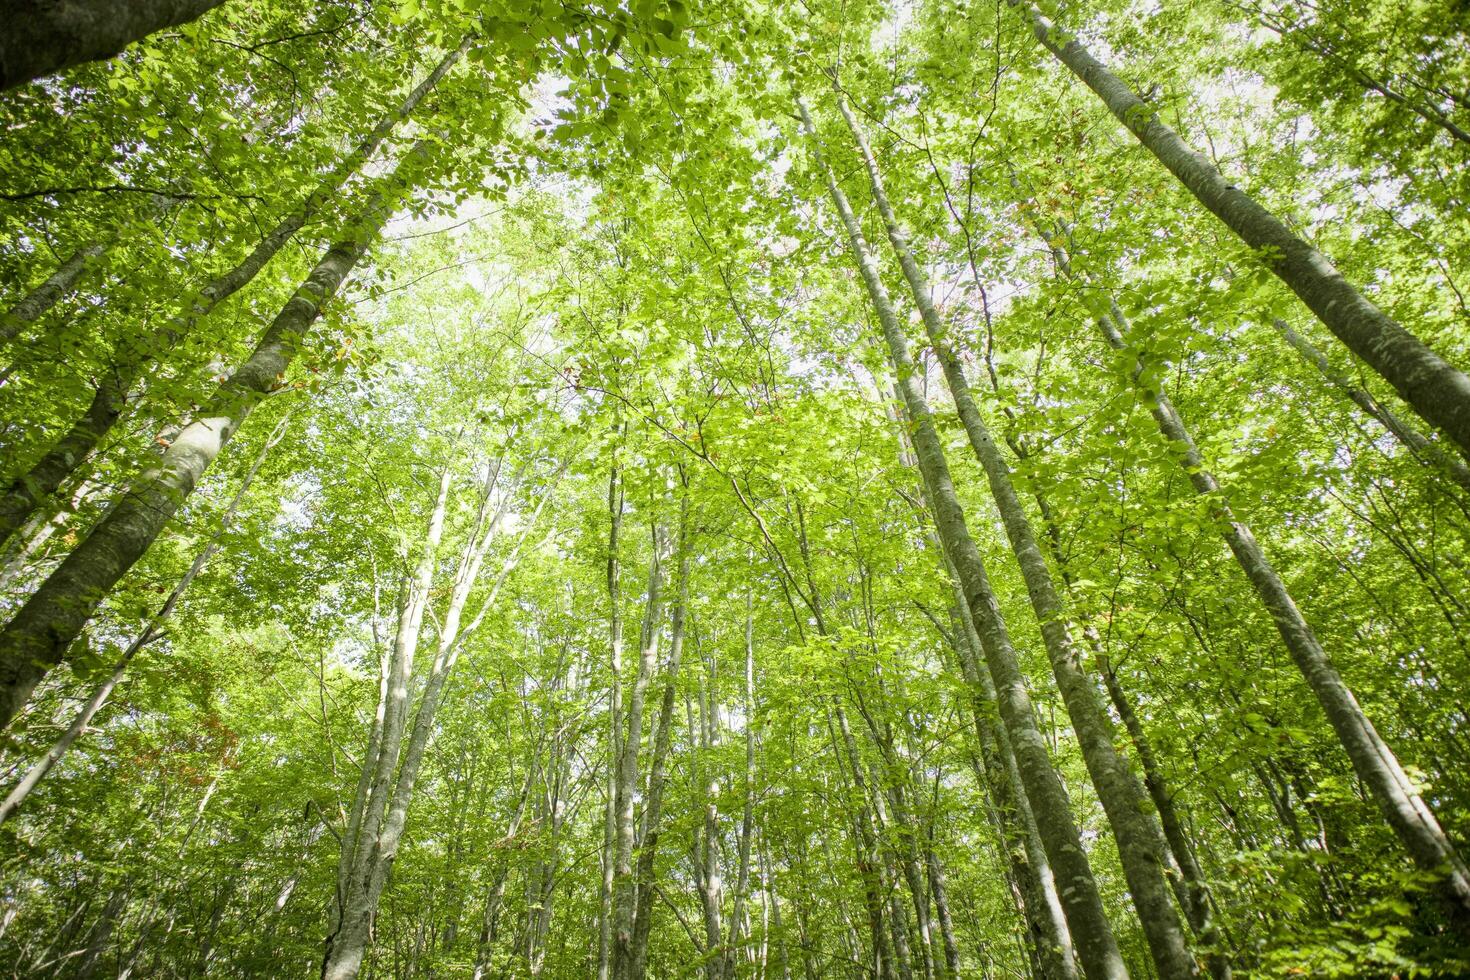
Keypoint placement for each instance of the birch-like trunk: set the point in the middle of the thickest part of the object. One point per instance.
(1140, 843)
(1093, 935)
(120, 380)
(150, 632)
(38, 636)
(1437, 390)
(45, 36)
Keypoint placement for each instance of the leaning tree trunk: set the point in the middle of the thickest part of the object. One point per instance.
(39, 635)
(1438, 391)
(1411, 438)
(148, 634)
(43, 37)
(1093, 935)
(1140, 844)
(120, 379)
(1375, 763)
(34, 304)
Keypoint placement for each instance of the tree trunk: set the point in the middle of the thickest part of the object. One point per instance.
(1093, 935)
(39, 635)
(747, 817)
(624, 893)
(45, 36)
(38, 301)
(121, 378)
(1372, 759)
(645, 881)
(1411, 439)
(614, 711)
(1140, 845)
(47, 762)
(1438, 391)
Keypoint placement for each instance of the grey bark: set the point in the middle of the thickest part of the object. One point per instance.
(43, 37)
(1437, 390)
(119, 380)
(1093, 935)
(1372, 759)
(644, 880)
(1140, 844)
(1411, 438)
(624, 892)
(34, 304)
(747, 817)
(148, 634)
(614, 711)
(39, 635)
(382, 826)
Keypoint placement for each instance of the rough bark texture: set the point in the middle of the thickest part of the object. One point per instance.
(38, 637)
(1140, 845)
(42, 37)
(1438, 391)
(1093, 935)
(120, 379)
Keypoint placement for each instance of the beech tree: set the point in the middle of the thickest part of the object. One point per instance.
(735, 490)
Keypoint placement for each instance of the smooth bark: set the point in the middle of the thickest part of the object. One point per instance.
(1411, 438)
(1140, 844)
(50, 291)
(39, 635)
(43, 37)
(1093, 935)
(148, 634)
(1375, 763)
(119, 381)
(1437, 390)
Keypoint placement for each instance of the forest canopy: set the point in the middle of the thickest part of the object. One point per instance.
(893, 489)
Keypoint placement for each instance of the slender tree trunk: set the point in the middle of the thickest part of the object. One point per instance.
(151, 631)
(352, 915)
(1197, 893)
(1411, 438)
(624, 892)
(119, 381)
(1140, 845)
(1437, 390)
(709, 874)
(1097, 948)
(1374, 762)
(38, 636)
(940, 889)
(36, 303)
(45, 36)
(747, 817)
(379, 847)
(663, 736)
(615, 707)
